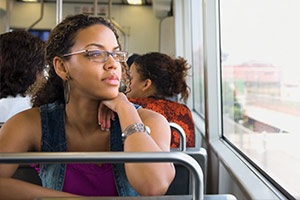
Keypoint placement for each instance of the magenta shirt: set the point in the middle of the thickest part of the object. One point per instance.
(89, 179)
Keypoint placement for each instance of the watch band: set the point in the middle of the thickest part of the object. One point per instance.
(135, 128)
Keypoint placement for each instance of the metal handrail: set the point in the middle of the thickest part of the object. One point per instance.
(181, 133)
(113, 157)
(39, 19)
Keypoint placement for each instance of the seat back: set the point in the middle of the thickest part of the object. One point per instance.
(182, 183)
(28, 174)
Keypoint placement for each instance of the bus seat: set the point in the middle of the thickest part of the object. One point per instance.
(182, 183)
(200, 155)
(182, 136)
(115, 157)
(28, 174)
(177, 157)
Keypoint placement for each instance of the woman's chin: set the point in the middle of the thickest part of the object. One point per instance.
(111, 95)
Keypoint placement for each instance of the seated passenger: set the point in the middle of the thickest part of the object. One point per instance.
(85, 58)
(155, 77)
(21, 62)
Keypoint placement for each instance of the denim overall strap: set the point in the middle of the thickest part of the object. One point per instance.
(116, 144)
(53, 140)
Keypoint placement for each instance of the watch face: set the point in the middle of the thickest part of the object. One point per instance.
(148, 130)
(123, 136)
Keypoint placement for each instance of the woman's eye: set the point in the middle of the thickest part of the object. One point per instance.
(94, 53)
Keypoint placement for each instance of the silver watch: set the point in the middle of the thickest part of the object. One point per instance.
(134, 128)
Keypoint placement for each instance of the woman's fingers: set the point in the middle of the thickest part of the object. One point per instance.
(100, 107)
(104, 117)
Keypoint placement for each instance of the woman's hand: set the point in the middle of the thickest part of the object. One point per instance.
(107, 108)
(104, 117)
(113, 104)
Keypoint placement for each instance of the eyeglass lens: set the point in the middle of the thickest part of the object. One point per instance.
(102, 56)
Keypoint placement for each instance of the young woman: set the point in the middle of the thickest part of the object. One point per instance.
(85, 59)
(156, 77)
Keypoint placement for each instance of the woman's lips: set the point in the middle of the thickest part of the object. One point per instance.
(112, 80)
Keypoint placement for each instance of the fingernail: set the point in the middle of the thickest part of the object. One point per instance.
(99, 123)
(113, 119)
(107, 129)
(102, 129)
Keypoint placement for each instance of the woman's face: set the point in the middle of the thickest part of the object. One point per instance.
(94, 80)
(137, 84)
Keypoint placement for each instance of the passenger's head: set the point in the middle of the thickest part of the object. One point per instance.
(21, 62)
(69, 62)
(132, 58)
(159, 75)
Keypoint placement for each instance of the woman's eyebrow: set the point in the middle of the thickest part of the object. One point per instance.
(101, 46)
(94, 44)
(116, 48)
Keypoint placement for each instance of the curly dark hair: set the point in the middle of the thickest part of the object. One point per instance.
(166, 73)
(60, 41)
(21, 58)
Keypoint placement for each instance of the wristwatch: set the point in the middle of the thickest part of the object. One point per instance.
(135, 128)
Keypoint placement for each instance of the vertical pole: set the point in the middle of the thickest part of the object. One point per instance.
(7, 23)
(96, 8)
(58, 11)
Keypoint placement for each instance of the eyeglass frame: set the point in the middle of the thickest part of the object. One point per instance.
(88, 50)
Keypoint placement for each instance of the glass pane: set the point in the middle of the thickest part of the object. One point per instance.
(198, 67)
(261, 85)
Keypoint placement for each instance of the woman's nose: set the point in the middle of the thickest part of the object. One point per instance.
(111, 63)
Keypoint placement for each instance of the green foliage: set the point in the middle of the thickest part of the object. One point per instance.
(231, 107)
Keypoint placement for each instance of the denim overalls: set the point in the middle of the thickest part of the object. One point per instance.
(54, 140)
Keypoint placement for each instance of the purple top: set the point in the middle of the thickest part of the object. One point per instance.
(89, 179)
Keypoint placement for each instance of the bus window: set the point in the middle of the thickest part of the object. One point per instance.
(260, 85)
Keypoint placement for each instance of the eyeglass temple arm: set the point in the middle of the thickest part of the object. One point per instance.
(76, 52)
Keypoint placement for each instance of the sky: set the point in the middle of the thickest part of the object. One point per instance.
(266, 31)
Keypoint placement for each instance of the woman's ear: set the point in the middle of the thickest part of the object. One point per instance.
(60, 67)
(147, 85)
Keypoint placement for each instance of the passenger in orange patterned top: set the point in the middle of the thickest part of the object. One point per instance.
(157, 77)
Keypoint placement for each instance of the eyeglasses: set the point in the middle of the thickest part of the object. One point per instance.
(101, 55)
